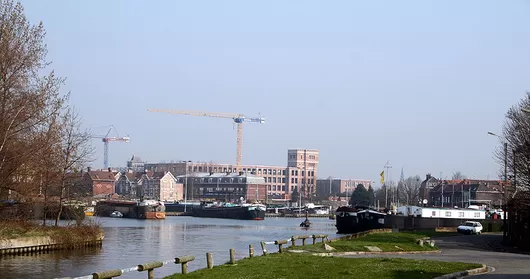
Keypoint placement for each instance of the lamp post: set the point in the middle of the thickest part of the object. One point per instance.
(504, 232)
(186, 186)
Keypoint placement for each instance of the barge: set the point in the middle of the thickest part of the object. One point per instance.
(147, 209)
(229, 211)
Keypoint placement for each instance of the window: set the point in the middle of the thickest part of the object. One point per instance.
(461, 214)
(448, 214)
(433, 213)
(477, 215)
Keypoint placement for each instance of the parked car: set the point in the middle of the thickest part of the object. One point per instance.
(470, 227)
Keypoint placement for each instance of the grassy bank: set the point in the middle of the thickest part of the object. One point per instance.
(292, 265)
(387, 242)
(63, 234)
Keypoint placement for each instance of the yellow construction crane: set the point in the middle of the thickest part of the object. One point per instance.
(236, 117)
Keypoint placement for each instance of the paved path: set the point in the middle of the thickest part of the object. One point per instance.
(483, 248)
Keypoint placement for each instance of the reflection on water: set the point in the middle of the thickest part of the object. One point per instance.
(129, 242)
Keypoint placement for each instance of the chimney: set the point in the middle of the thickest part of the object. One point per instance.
(428, 176)
(89, 169)
(109, 169)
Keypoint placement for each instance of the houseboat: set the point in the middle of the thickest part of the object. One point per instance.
(231, 211)
(146, 209)
(357, 219)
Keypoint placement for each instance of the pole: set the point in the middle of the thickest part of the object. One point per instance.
(441, 182)
(186, 186)
(504, 232)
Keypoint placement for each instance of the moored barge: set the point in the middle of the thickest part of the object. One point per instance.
(147, 209)
(229, 211)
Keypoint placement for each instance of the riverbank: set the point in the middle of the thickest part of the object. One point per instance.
(308, 261)
(291, 265)
(18, 237)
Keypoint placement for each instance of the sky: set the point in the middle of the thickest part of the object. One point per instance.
(417, 84)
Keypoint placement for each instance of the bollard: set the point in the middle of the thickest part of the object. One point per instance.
(232, 256)
(209, 260)
(250, 250)
(280, 243)
(106, 274)
(150, 268)
(263, 248)
(184, 262)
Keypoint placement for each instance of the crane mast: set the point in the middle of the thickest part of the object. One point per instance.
(238, 119)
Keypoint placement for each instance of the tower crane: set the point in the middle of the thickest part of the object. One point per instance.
(236, 117)
(106, 139)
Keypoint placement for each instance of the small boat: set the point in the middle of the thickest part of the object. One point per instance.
(306, 223)
(89, 211)
(116, 214)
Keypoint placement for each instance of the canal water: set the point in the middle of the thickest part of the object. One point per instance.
(129, 242)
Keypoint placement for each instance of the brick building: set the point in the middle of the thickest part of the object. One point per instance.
(461, 193)
(280, 181)
(101, 182)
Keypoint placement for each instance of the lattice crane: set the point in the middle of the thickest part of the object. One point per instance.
(236, 117)
(106, 139)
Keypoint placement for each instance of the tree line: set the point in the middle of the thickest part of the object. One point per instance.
(42, 141)
(405, 192)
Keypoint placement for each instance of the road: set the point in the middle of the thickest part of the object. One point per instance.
(484, 249)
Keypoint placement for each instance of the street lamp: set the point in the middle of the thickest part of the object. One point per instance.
(505, 182)
(186, 186)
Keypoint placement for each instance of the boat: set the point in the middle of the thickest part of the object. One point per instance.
(116, 214)
(89, 211)
(231, 211)
(146, 209)
(357, 219)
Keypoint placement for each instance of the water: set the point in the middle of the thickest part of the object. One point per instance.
(129, 242)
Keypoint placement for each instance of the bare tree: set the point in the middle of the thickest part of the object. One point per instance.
(516, 134)
(29, 103)
(74, 151)
(409, 190)
(457, 175)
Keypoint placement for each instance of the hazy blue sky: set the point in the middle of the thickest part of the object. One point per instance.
(418, 83)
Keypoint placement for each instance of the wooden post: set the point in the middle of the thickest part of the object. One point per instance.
(184, 262)
(209, 260)
(293, 240)
(106, 274)
(250, 250)
(280, 243)
(150, 268)
(314, 239)
(232, 256)
(263, 248)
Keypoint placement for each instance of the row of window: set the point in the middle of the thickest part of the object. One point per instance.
(460, 214)
(310, 157)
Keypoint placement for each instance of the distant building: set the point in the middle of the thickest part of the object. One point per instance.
(160, 186)
(461, 193)
(136, 164)
(280, 181)
(229, 187)
(338, 186)
(102, 183)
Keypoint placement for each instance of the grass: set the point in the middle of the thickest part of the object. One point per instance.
(64, 234)
(433, 233)
(387, 242)
(291, 265)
